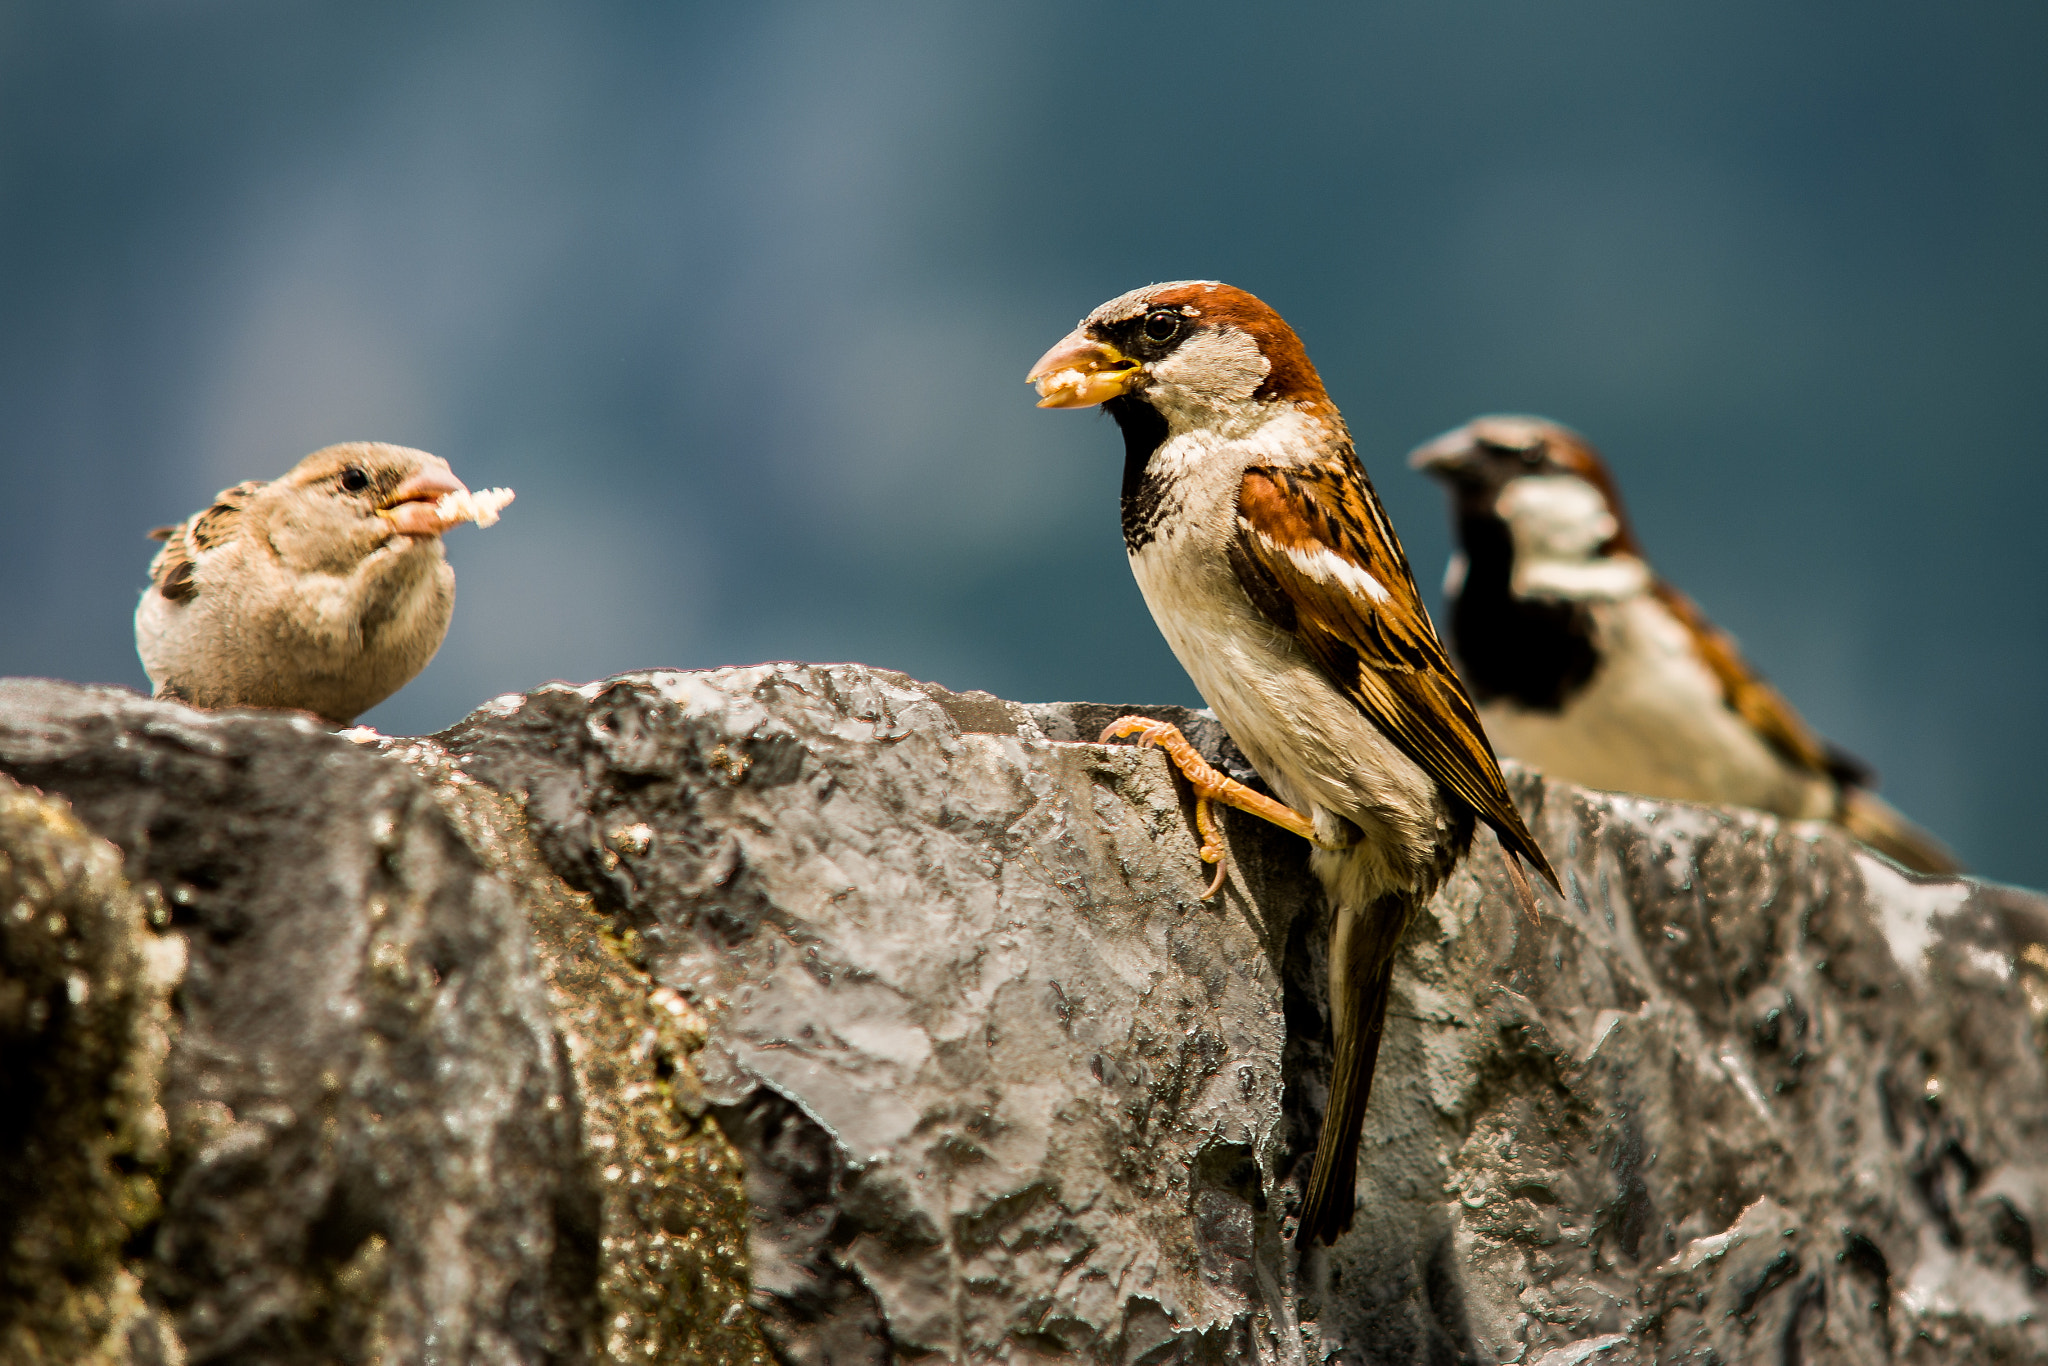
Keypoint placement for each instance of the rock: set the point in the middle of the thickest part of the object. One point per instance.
(1005, 1087)
(672, 1266)
(1756, 1095)
(373, 1140)
(84, 983)
(937, 972)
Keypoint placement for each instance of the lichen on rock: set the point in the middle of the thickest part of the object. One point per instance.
(673, 1271)
(84, 982)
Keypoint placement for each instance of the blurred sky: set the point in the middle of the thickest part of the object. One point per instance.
(740, 299)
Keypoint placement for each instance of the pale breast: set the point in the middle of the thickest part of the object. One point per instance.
(1311, 743)
(1653, 720)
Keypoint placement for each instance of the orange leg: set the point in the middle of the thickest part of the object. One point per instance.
(1210, 786)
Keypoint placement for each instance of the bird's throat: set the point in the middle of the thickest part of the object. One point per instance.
(1144, 429)
(1538, 653)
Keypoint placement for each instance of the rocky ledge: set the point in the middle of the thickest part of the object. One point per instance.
(813, 1014)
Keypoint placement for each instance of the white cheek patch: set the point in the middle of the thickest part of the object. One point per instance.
(1245, 435)
(1326, 566)
(1555, 517)
(1215, 367)
(1559, 522)
(1609, 580)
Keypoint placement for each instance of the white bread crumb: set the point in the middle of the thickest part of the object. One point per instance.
(481, 507)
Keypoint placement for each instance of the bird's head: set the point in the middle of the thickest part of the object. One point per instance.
(1535, 499)
(1199, 353)
(1538, 476)
(341, 505)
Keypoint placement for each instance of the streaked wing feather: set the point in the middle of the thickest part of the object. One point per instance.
(1379, 647)
(171, 572)
(1756, 701)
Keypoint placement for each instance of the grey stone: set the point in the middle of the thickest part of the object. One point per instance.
(1008, 1090)
(1755, 1095)
(373, 1141)
(935, 968)
(673, 1261)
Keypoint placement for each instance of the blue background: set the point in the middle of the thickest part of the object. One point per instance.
(740, 299)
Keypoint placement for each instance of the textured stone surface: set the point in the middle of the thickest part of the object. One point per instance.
(1754, 1096)
(84, 981)
(1007, 1090)
(474, 1029)
(672, 1270)
(372, 1136)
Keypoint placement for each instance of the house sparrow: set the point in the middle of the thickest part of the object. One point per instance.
(325, 591)
(1590, 667)
(1271, 569)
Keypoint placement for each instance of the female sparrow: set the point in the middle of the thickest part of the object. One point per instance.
(325, 591)
(1591, 668)
(1271, 569)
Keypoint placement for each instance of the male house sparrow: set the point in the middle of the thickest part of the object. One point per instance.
(1591, 668)
(1271, 569)
(326, 590)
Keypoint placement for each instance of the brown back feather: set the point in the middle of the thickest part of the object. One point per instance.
(1384, 655)
(172, 569)
(1759, 704)
(1748, 695)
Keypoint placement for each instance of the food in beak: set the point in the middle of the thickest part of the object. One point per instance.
(434, 500)
(481, 507)
(1080, 372)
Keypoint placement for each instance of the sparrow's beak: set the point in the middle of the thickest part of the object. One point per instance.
(1451, 456)
(1080, 372)
(413, 508)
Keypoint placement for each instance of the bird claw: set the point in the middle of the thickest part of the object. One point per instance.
(1210, 787)
(1212, 846)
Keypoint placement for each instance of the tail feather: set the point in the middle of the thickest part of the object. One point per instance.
(1873, 820)
(1361, 978)
(1524, 893)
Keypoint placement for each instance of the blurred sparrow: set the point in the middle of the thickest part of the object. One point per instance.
(1271, 569)
(325, 590)
(1591, 668)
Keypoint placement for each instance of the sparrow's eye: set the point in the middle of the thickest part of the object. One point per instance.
(1162, 325)
(354, 479)
(1532, 456)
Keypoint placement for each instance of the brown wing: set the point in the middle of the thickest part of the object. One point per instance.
(1317, 556)
(1868, 817)
(170, 573)
(1757, 702)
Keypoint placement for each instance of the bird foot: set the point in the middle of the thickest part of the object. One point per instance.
(1210, 786)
